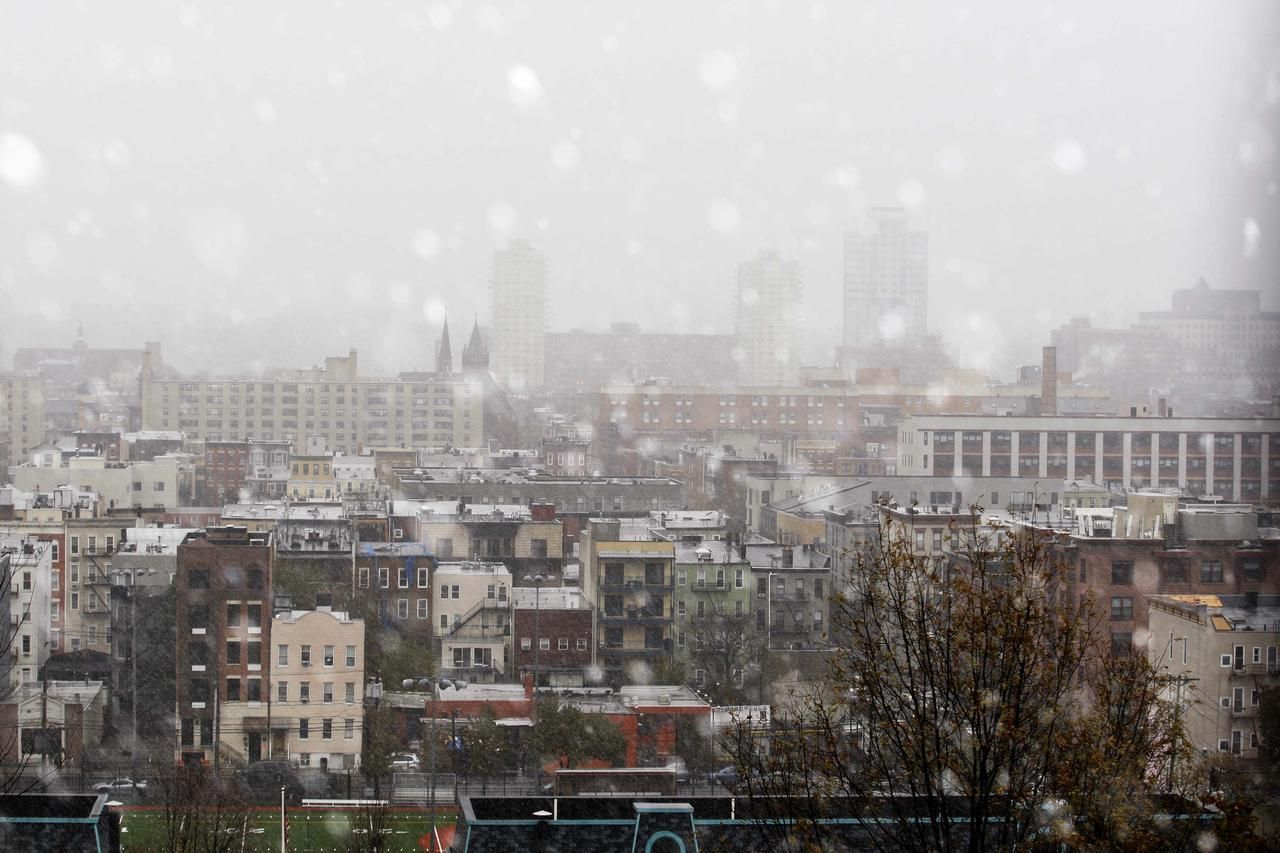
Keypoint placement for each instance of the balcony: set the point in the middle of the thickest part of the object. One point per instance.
(633, 651)
(481, 632)
(616, 585)
(636, 616)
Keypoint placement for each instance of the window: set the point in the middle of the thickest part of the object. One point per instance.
(304, 732)
(424, 579)
(444, 591)
(682, 577)
(384, 577)
(255, 690)
(326, 693)
(1122, 572)
(422, 608)
(304, 692)
(1121, 644)
(456, 592)
(404, 577)
(349, 695)
(74, 601)
(544, 644)
(233, 651)
(1211, 571)
(306, 655)
(282, 691)
(1175, 571)
(328, 655)
(233, 690)
(351, 654)
(1121, 608)
(1257, 654)
(348, 728)
(402, 608)
(680, 608)
(304, 758)
(526, 644)
(282, 654)
(563, 644)
(1251, 569)
(364, 577)
(537, 547)
(582, 644)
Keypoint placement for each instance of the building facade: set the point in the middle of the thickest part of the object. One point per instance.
(519, 316)
(768, 321)
(1235, 459)
(317, 688)
(886, 281)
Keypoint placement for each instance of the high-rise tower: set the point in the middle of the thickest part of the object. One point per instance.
(768, 324)
(886, 282)
(519, 316)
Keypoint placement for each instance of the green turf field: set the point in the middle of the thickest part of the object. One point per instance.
(309, 830)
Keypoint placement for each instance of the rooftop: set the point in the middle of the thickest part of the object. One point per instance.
(472, 568)
(1226, 612)
(553, 598)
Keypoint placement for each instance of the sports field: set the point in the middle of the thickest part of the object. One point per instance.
(309, 830)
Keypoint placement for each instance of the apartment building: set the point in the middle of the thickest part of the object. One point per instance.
(1236, 459)
(393, 580)
(473, 619)
(166, 481)
(22, 415)
(519, 316)
(553, 635)
(792, 585)
(527, 539)
(767, 329)
(334, 406)
(1158, 546)
(224, 636)
(26, 571)
(1220, 654)
(615, 571)
(713, 584)
(317, 688)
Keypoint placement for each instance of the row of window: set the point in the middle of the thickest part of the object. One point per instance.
(304, 655)
(326, 692)
(1175, 571)
(544, 644)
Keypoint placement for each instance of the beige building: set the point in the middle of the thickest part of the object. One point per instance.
(21, 415)
(333, 406)
(312, 478)
(86, 618)
(317, 688)
(473, 617)
(519, 316)
(161, 482)
(640, 573)
(1221, 651)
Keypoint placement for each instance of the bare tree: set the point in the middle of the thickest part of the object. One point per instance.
(725, 646)
(965, 709)
(201, 812)
(371, 828)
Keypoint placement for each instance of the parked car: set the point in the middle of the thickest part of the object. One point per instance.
(406, 762)
(118, 787)
(681, 769)
(727, 776)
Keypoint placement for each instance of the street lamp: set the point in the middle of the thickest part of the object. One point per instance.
(435, 684)
(537, 581)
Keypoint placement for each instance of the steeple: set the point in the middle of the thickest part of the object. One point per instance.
(444, 351)
(475, 355)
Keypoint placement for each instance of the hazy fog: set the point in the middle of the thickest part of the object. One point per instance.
(273, 182)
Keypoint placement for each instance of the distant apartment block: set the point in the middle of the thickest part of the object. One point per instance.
(22, 415)
(333, 406)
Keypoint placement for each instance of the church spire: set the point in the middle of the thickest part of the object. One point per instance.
(475, 355)
(444, 351)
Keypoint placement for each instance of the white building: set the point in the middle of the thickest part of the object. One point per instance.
(473, 616)
(886, 281)
(1237, 459)
(519, 316)
(26, 572)
(768, 322)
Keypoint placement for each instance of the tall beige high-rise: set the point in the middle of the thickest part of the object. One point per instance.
(519, 316)
(768, 326)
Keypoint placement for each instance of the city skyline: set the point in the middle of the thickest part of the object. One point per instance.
(752, 130)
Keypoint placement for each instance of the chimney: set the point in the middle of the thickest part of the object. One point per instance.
(742, 549)
(1162, 407)
(528, 687)
(1049, 381)
(542, 512)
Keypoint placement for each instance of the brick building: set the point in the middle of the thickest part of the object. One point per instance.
(552, 633)
(224, 636)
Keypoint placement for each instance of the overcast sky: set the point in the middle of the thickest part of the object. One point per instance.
(270, 183)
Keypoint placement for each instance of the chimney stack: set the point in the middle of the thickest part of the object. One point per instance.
(1049, 381)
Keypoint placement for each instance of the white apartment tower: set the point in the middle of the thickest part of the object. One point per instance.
(886, 281)
(519, 316)
(768, 328)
